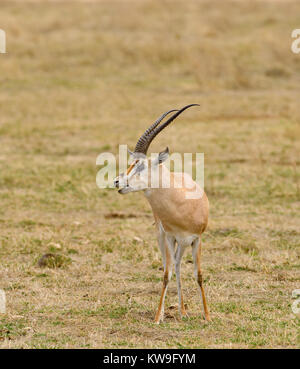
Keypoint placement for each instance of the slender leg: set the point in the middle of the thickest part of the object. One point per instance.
(168, 261)
(196, 249)
(178, 256)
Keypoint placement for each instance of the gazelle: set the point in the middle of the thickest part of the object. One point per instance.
(179, 220)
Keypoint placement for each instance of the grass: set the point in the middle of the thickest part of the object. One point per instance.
(72, 87)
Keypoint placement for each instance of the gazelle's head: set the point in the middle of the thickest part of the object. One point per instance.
(137, 176)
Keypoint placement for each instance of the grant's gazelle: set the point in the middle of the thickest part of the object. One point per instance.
(179, 220)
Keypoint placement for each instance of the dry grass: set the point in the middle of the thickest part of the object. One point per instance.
(79, 79)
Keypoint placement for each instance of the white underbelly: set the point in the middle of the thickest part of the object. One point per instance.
(184, 239)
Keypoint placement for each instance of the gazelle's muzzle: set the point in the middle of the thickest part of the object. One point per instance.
(124, 190)
(122, 183)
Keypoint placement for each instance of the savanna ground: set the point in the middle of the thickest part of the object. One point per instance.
(80, 79)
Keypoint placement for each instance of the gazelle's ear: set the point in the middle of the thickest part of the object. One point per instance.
(162, 156)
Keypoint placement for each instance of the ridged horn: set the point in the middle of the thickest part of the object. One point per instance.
(142, 142)
(149, 135)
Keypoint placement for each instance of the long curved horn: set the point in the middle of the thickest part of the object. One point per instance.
(140, 146)
(146, 140)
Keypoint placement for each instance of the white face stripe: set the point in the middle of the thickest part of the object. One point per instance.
(131, 167)
(132, 170)
(136, 167)
(135, 178)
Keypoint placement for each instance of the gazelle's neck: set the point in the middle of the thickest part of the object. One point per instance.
(160, 179)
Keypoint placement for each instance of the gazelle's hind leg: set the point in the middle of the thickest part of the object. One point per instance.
(168, 263)
(196, 250)
(178, 256)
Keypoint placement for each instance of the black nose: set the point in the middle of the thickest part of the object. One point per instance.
(116, 183)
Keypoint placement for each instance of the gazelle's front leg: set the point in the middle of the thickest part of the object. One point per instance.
(196, 250)
(168, 263)
(178, 257)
